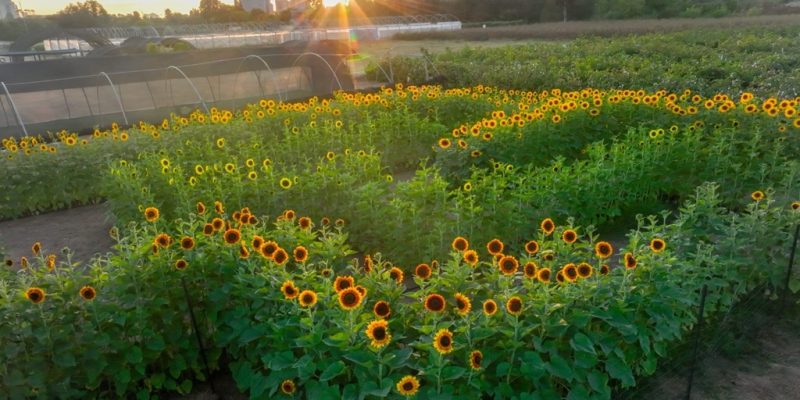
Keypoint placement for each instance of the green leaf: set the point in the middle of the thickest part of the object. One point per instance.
(185, 387)
(64, 359)
(598, 381)
(252, 334)
(134, 355)
(559, 367)
(581, 342)
(332, 371)
(617, 369)
(155, 343)
(578, 392)
(452, 373)
(359, 357)
(398, 358)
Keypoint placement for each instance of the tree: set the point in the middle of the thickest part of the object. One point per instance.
(81, 15)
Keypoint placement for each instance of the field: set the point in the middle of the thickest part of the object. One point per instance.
(540, 227)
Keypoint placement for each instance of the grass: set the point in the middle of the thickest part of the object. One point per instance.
(575, 29)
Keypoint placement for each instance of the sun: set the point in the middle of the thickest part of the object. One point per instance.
(334, 3)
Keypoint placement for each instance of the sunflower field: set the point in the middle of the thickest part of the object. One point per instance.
(418, 241)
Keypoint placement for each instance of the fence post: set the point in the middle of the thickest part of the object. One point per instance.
(789, 268)
(197, 335)
(697, 332)
(14, 107)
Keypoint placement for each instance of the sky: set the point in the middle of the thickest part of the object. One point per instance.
(44, 7)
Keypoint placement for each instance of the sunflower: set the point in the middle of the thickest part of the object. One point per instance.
(307, 298)
(151, 214)
(289, 290)
(530, 269)
(495, 247)
(304, 223)
(288, 387)
(368, 263)
(326, 272)
(444, 143)
(758, 195)
(268, 249)
(434, 303)
(300, 254)
(378, 332)
(604, 269)
(569, 236)
(232, 236)
(658, 245)
(381, 309)
(423, 271)
(88, 293)
(471, 257)
(289, 215)
(181, 264)
(35, 295)
(217, 224)
(343, 282)
(349, 298)
(548, 226)
(463, 304)
(514, 305)
(549, 255)
(397, 275)
(584, 270)
(603, 250)
(532, 247)
(630, 260)
(489, 307)
(280, 256)
(36, 248)
(460, 244)
(560, 277)
(795, 205)
(543, 275)
(570, 272)
(508, 265)
(258, 242)
(285, 183)
(475, 360)
(443, 341)
(325, 221)
(23, 262)
(407, 386)
(362, 290)
(244, 253)
(163, 240)
(218, 208)
(201, 208)
(339, 222)
(187, 243)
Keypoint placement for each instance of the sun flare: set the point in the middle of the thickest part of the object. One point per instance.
(334, 3)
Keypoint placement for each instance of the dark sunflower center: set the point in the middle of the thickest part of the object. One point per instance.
(515, 305)
(349, 299)
(445, 341)
(408, 386)
(461, 305)
(379, 333)
(572, 273)
(35, 296)
(490, 308)
(658, 245)
(508, 265)
(435, 303)
(289, 290)
(382, 309)
(308, 298)
(476, 359)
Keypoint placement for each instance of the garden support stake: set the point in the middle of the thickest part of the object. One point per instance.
(789, 269)
(199, 339)
(697, 332)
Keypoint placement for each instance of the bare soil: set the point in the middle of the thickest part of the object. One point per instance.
(83, 229)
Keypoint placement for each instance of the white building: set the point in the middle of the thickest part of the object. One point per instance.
(263, 5)
(8, 10)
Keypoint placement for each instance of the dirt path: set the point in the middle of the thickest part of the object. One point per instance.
(83, 229)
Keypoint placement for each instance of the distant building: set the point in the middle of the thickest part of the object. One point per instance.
(8, 10)
(263, 5)
(293, 5)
